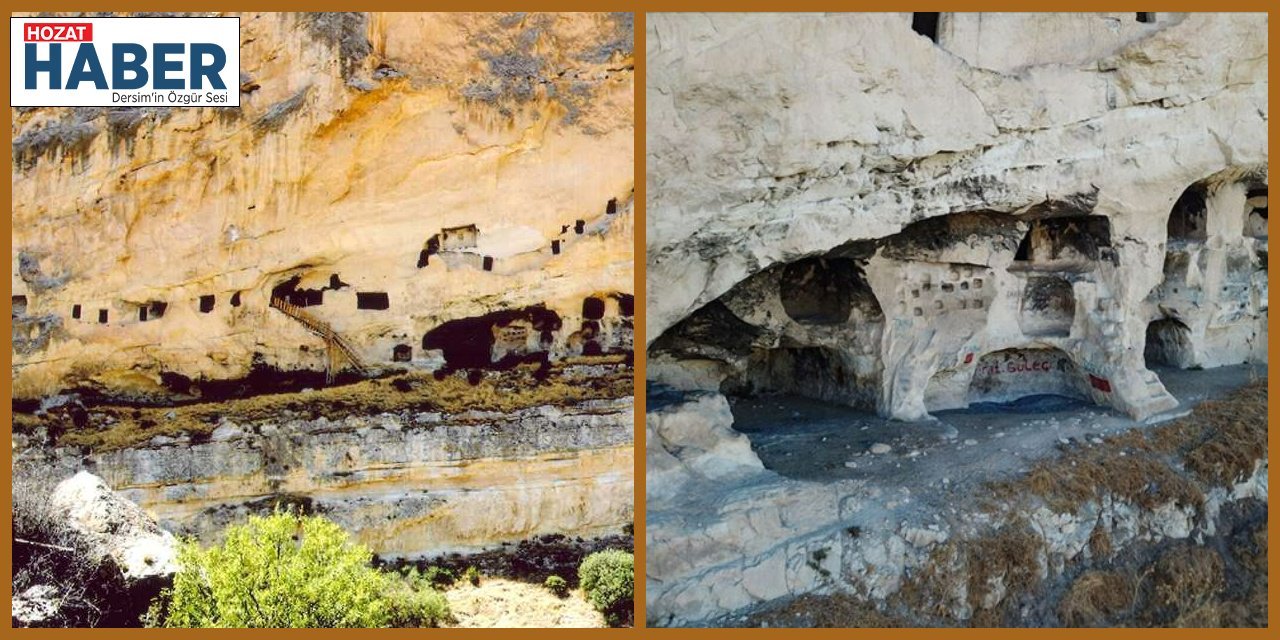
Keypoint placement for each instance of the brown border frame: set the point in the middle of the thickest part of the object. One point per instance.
(639, 7)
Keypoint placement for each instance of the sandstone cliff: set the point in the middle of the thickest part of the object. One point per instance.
(389, 172)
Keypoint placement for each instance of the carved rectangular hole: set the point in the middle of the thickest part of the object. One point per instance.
(206, 303)
(488, 263)
(375, 300)
(75, 312)
(925, 24)
(102, 316)
(1146, 17)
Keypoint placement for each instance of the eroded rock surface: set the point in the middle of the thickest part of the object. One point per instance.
(428, 484)
(843, 205)
(387, 172)
(915, 213)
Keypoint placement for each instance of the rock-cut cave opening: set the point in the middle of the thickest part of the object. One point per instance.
(1169, 344)
(1255, 224)
(1065, 243)
(1048, 307)
(1187, 219)
(1009, 376)
(819, 291)
(819, 373)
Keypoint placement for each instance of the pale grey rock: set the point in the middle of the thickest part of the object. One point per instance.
(118, 529)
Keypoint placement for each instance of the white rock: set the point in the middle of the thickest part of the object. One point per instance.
(118, 528)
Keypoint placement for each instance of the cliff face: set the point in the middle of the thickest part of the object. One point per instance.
(1086, 205)
(389, 172)
(912, 213)
(407, 485)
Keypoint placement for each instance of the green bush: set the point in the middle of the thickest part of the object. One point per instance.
(557, 585)
(416, 604)
(286, 570)
(608, 580)
(472, 575)
(440, 577)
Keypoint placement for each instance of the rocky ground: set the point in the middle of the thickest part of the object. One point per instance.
(918, 531)
(503, 603)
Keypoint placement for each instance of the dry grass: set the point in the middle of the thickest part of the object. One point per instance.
(1100, 543)
(1095, 598)
(826, 612)
(124, 426)
(502, 603)
(928, 590)
(1139, 477)
(1187, 584)
(1010, 555)
(1218, 443)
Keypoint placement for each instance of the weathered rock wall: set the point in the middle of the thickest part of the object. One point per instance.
(1019, 204)
(432, 484)
(1024, 203)
(361, 139)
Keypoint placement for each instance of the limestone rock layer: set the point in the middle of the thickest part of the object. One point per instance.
(910, 221)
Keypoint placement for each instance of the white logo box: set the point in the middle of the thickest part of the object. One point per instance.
(121, 36)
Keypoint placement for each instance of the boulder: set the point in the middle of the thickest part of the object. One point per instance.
(117, 529)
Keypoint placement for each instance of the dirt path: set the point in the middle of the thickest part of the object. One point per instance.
(500, 603)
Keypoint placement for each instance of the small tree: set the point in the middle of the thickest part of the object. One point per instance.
(283, 570)
(557, 586)
(608, 580)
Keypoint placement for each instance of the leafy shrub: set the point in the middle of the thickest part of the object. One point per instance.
(472, 575)
(440, 577)
(283, 570)
(415, 603)
(608, 580)
(557, 585)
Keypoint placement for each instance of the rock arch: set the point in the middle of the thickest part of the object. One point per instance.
(1011, 374)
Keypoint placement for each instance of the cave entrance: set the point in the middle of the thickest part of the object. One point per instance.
(925, 24)
(19, 306)
(1048, 307)
(1255, 224)
(824, 291)
(1187, 219)
(402, 353)
(1025, 377)
(592, 308)
(1069, 243)
(819, 373)
(1169, 344)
